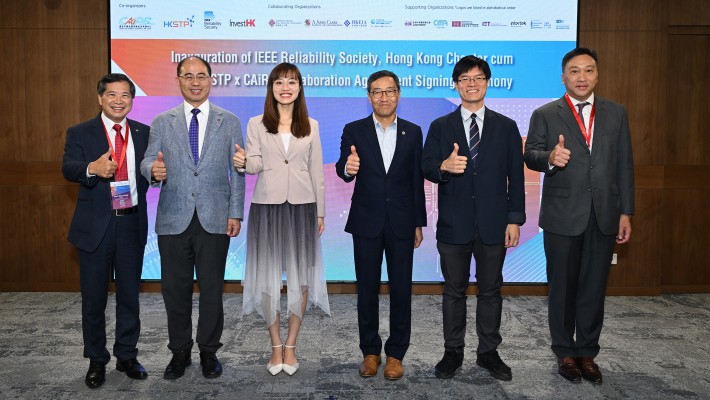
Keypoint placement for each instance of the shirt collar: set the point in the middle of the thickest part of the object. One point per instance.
(589, 100)
(204, 108)
(379, 125)
(466, 114)
(109, 124)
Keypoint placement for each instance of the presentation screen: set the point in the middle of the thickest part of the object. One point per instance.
(337, 45)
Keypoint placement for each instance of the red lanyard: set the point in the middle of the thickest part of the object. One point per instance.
(123, 151)
(587, 134)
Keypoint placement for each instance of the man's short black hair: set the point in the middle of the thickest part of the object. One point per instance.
(468, 63)
(579, 51)
(382, 74)
(111, 78)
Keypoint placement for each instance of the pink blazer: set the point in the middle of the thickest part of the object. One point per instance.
(295, 175)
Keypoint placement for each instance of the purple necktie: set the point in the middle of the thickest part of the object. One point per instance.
(195, 135)
(474, 140)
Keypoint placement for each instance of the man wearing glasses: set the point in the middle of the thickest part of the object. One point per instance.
(382, 153)
(201, 205)
(475, 156)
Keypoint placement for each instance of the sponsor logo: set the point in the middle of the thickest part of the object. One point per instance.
(283, 22)
(489, 23)
(246, 23)
(561, 24)
(463, 24)
(355, 23)
(321, 22)
(381, 23)
(417, 23)
(441, 23)
(180, 23)
(210, 20)
(135, 23)
(518, 24)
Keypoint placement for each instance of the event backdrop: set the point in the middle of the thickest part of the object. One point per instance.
(337, 45)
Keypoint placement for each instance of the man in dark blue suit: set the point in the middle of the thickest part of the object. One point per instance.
(382, 153)
(474, 154)
(110, 224)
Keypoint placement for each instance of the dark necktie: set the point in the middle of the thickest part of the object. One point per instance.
(474, 139)
(121, 170)
(580, 107)
(195, 135)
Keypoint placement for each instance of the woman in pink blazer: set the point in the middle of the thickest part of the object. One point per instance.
(286, 216)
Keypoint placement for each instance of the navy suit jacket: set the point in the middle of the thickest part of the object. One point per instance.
(397, 195)
(493, 195)
(85, 143)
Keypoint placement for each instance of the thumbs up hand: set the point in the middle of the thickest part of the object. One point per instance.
(103, 166)
(158, 170)
(455, 164)
(559, 157)
(240, 157)
(352, 165)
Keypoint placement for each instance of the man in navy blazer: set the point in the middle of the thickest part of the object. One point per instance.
(200, 208)
(475, 156)
(109, 235)
(583, 145)
(382, 153)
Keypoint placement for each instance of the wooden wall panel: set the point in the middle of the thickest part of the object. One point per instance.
(65, 14)
(685, 250)
(621, 16)
(687, 141)
(632, 69)
(12, 125)
(14, 246)
(689, 13)
(639, 260)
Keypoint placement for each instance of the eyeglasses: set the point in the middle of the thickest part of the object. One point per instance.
(376, 94)
(189, 77)
(472, 79)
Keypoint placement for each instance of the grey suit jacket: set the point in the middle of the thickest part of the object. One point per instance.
(212, 187)
(603, 179)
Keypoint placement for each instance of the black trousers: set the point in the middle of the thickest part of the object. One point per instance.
(121, 253)
(577, 273)
(194, 251)
(399, 254)
(456, 266)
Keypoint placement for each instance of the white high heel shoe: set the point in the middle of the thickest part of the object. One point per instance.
(290, 369)
(274, 369)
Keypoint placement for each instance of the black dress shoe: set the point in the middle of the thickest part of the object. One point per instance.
(589, 369)
(177, 365)
(446, 368)
(211, 367)
(492, 362)
(132, 368)
(96, 375)
(567, 367)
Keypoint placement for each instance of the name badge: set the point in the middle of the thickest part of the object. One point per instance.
(121, 195)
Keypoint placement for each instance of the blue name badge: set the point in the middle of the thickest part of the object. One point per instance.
(121, 195)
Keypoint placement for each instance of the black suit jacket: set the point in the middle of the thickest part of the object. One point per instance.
(86, 142)
(603, 179)
(493, 195)
(396, 195)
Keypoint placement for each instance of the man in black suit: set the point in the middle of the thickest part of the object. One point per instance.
(382, 153)
(475, 156)
(110, 224)
(582, 144)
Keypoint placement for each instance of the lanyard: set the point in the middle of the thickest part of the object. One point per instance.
(123, 151)
(587, 134)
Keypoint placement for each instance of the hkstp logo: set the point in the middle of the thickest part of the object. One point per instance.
(186, 23)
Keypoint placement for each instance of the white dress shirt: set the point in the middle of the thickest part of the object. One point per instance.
(130, 153)
(387, 138)
(202, 117)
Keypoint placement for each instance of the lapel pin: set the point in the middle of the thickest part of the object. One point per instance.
(404, 133)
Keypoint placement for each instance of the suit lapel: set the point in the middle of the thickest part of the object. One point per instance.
(489, 126)
(456, 126)
(399, 148)
(279, 143)
(374, 145)
(179, 124)
(214, 121)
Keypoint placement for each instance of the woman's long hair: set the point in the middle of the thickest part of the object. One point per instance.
(300, 127)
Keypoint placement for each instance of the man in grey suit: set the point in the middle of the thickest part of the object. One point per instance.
(201, 206)
(582, 144)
